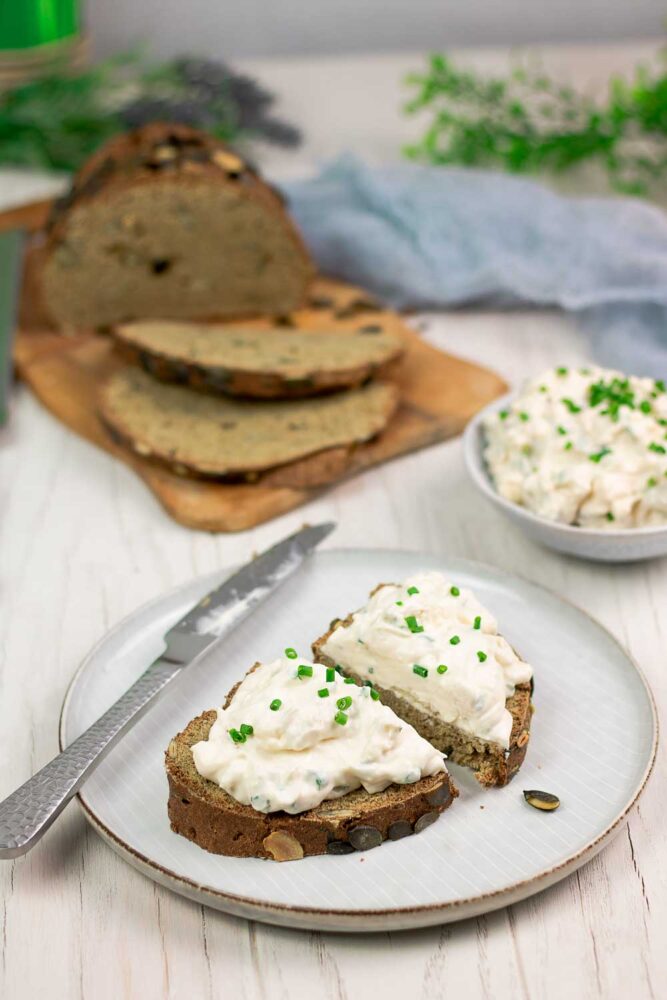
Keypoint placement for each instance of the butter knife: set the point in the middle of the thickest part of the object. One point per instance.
(29, 811)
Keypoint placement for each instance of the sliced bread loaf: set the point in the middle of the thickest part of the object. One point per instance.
(242, 361)
(397, 661)
(167, 221)
(225, 438)
(201, 810)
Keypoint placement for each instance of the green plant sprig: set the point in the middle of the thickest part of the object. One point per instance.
(528, 123)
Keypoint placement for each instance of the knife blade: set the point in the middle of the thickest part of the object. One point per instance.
(11, 258)
(29, 811)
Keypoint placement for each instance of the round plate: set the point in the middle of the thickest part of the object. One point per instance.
(593, 744)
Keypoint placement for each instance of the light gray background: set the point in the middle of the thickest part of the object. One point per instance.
(234, 28)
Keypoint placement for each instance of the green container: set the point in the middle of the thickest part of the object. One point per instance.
(25, 24)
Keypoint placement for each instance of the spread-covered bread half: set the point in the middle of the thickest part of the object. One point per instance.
(246, 361)
(434, 654)
(167, 221)
(302, 761)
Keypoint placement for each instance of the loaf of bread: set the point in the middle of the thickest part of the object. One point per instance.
(167, 222)
(227, 438)
(243, 361)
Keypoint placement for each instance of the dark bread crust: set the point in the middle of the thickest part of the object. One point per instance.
(253, 384)
(492, 765)
(186, 163)
(202, 812)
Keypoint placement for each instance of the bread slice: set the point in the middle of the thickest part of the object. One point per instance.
(224, 438)
(242, 361)
(167, 221)
(491, 763)
(204, 813)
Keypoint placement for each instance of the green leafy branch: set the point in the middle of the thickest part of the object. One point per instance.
(528, 123)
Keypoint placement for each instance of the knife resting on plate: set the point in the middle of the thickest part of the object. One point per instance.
(29, 811)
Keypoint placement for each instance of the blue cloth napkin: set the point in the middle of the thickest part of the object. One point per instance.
(429, 237)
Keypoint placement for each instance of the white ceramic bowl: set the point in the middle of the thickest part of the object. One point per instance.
(613, 545)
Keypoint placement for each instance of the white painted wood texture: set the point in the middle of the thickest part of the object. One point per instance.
(82, 543)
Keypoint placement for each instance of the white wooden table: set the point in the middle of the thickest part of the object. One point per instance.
(83, 543)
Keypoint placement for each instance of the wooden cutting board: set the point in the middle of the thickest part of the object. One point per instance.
(439, 393)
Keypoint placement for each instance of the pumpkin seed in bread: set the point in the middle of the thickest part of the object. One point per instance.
(338, 821)
(263, 363)
(228, 438)
(167, 221)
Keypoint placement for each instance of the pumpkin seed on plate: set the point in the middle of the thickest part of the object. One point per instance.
(541, 800)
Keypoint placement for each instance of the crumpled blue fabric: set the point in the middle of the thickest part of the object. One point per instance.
(432, 237)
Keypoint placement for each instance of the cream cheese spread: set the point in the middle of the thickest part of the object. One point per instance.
(584, 446)
(432, 643)
(296, 734)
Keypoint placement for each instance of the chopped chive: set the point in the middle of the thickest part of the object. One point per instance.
(339, 669)
(413, 590)
(610, 516)
(455, 640)
(477, 622)
(523, 416)
(561, 371)
(331, 674)
(304, 670)
(659, 449)
(344, 703)
(246, 729)
(349, 680)
(645, 406)
(597, 456)
(454, 591)
(275, 704)
(400, 603)
(503, 414)
(571, 405)
(481, 656)
(561, 430)
(340, 718)
(368, 684)
(419, 670)
(413, 624)
(323, 693)
(662, 422)
(659, 384)
(290, 653)
(651, 481)
(442, 668)
(374, 695)
(236, 736)
(567, 446)
(543, 388)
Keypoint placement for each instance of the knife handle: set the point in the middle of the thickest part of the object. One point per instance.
(29, 811)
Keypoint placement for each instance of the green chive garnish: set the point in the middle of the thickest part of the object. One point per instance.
(645, 406)
(400, 603)
(413, 624)
(275, 704)
(344, 703)
(374, 695)
(571, 405)
(442, 668)
(419, 670)
(503, 415)
(610, 516)
(567, 446)
(477, 622)
(523, 416)
(290, 653)
(561, 430)
(561, 371)
(331, 674)
(481, 656)
(597, 456)
(659, 384)
(246, 729)
(323, 693)
(236, 736)
(455, 640)
(657, 448)
(454, 591)
(651, 481)
(349, 680)
(413, 590)
(340, 718)
(304, 670)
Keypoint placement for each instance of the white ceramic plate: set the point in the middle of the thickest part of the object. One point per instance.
(593, 744)
(609, 545)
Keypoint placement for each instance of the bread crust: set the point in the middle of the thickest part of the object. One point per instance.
(492, 765)
(202, 812)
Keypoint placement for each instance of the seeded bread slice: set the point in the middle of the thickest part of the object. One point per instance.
(168, 221)
(225, 438)
(204, 813)
(242, 361)
(491, 763)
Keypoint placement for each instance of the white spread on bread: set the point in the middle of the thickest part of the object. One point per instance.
(308, 747)
(433, 644)
(584, 446)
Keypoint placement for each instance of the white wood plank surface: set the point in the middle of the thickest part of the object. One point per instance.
(83, 543)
